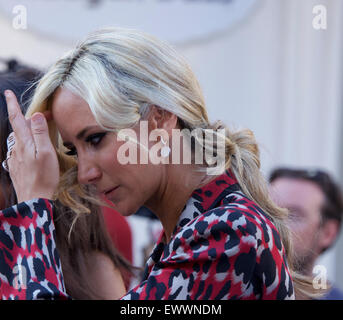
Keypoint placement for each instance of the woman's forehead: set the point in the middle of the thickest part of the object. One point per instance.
(69, 109)
(64, 97)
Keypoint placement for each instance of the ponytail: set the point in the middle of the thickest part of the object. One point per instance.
(242, 157)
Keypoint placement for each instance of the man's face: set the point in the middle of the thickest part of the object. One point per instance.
(304, 200)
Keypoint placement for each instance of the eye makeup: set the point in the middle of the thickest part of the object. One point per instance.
(93, 139)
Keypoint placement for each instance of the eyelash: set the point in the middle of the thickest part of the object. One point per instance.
(94, 140)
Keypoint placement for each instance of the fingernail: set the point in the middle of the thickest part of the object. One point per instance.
(37, 118)
(8, 93)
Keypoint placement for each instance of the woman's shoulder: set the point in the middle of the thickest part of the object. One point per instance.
(239, 240)
(236, 216)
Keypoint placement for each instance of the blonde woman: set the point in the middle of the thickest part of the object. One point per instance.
(223, 237)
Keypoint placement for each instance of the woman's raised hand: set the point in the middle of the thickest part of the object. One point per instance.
(32, 160)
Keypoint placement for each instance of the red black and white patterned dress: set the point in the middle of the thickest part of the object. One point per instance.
(223, 247)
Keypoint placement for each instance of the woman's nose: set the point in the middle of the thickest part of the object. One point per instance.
(88, 172)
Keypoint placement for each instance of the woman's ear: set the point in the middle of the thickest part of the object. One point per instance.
(161, 119)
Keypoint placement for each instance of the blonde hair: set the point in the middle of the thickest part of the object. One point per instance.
(120, 73)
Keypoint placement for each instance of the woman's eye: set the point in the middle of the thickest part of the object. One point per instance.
(71, 152)
(95, 139)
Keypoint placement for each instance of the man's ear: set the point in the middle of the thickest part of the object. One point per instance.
(328, 233)
(161, 119)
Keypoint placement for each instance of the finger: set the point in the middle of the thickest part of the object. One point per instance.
(47, 114)
(9, 161)
(16, 117)
(9, 154)
(40, 132)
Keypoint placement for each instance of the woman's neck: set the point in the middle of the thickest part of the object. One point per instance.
(177, 185)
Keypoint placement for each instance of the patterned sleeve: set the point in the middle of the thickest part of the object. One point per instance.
(30, 266)
(223, 254)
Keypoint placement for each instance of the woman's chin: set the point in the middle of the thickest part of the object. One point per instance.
(124, 210)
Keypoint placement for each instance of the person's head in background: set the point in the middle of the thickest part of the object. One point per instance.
(21, 82)
(315, 205)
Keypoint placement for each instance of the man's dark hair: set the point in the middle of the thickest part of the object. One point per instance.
(333, 205)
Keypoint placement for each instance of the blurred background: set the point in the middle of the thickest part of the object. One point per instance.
(268, 65)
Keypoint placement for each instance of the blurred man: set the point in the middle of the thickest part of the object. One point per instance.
(315, 207)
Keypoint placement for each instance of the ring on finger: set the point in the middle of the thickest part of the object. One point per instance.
(10, 145)
(10, 141)
(5, 165)
(9, 153)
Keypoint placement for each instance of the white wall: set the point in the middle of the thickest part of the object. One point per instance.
(278, 76)
(29, 47)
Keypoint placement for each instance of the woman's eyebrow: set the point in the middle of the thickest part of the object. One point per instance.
(79, 136)
(83, 132)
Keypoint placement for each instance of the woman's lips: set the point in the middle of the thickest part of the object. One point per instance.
(110, 192)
